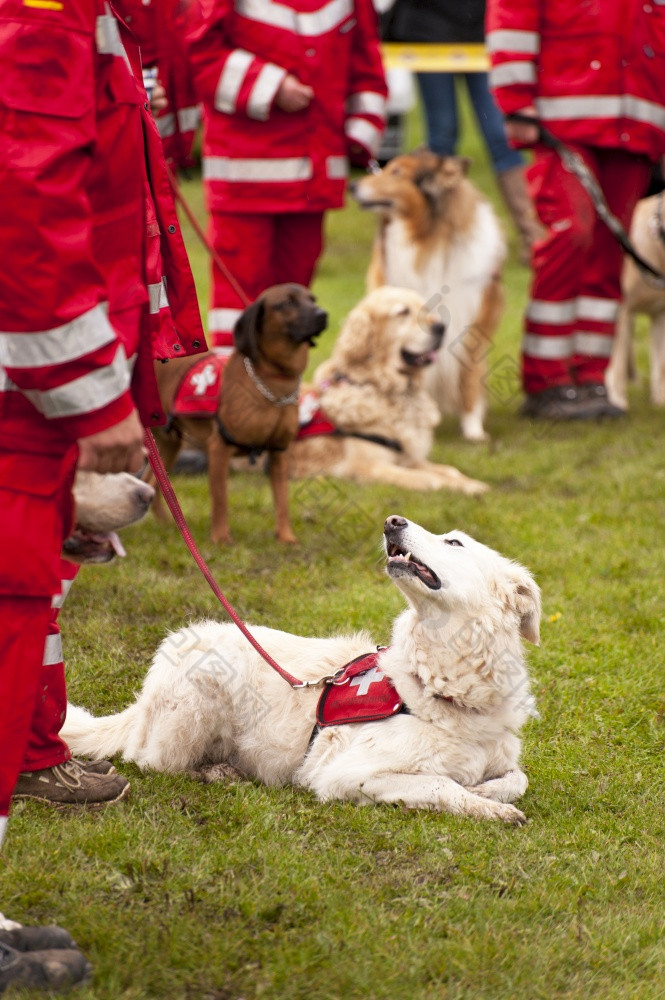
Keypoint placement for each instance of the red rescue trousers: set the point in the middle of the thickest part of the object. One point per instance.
(45, 748)
(35, 518)
(576, 288)
(259, 251)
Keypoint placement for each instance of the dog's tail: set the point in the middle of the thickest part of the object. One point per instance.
(101, 737)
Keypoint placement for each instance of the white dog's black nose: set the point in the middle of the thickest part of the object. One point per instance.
(394, 522)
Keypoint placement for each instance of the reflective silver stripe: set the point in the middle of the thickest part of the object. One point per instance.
(166, 125)
(85, 394)
(52, 650)
(6, 384)
(222, 320)
(602, 106)
(547, 348)
(262, 93)
(578, 107)
(107, 35)
(527, 42)
(81, 336)
(512, 72)
(158, 297)
(366, 102)
(602, 310)
(337, 167)
(278, 15)
(3, 827)
(59, 599)
(189, 118)
(555, 313)
(231, 80)
(222, 168)
(359, 130)
(645, 112)
(594, 345)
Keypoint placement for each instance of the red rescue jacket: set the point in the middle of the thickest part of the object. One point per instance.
(256, 157)
(594, 71)
(88, 227)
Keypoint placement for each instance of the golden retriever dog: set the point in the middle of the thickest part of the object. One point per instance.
(439, 236)
(455, 669)
(255, 408)
(372, 391)
(647, 233)
(103, 505)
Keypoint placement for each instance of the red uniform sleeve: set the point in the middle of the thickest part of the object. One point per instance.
(229, 79)
(513, 42)
(366, 100)
(56, 343)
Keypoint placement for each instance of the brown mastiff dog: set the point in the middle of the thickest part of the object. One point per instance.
(257, 406)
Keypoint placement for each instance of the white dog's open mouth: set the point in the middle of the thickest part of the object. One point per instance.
(92, 547)
(400, 561)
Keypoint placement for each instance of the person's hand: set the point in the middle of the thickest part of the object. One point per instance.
(293, 95)
(116, 449)
(521, 134)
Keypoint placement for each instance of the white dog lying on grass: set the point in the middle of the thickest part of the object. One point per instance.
(455, 669)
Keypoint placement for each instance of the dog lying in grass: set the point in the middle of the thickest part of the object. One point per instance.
(454, 675)
(373, 418)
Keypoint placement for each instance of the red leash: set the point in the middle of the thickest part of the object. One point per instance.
(172, 502)
(180, 198)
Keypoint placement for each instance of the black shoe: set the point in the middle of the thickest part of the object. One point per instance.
(51, 969)
(570, 402)
(595, 394)
(191, 462)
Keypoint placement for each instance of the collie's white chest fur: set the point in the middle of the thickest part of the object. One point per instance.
(451, 275)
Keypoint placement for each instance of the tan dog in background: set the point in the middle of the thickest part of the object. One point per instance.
(647, 233)
(258, 404)
(373, 390)
(441, 237)
(103, 505)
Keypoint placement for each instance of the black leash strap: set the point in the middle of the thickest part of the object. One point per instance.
(575, 164)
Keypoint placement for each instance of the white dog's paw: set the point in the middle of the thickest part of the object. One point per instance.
(474, 488)
(509, 814)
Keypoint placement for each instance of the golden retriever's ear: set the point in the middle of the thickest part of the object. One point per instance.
(247, 329)
(355, 342)
(527, 604)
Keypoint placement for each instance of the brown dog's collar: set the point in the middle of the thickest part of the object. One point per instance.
(289, 400)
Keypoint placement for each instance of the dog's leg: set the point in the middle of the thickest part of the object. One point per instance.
(473, 365)
(616, 375)
(219, 461)
(376, 275)
(422, 791)
(168, 446)
(279, 481)
(657, 351)
(508, 788)
(427, 476)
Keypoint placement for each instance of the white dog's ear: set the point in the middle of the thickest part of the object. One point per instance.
(527, 605)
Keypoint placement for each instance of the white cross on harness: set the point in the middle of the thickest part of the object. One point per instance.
(365, 680)
(201, 380)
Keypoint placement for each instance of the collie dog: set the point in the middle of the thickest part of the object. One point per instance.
(454, 676)
(439, 236)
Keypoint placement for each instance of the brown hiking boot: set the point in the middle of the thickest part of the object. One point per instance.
(95, 766)
(71, 784)
(53, 969)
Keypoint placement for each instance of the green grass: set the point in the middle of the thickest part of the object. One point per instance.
(193, 892)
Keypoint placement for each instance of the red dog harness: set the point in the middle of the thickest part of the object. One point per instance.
(361, 692)
(198, 393)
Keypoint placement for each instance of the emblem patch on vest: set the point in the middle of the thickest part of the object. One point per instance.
(366, 696)
(198, 393)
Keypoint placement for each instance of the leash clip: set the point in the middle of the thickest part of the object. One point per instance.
(328, 679)
(373, 167)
